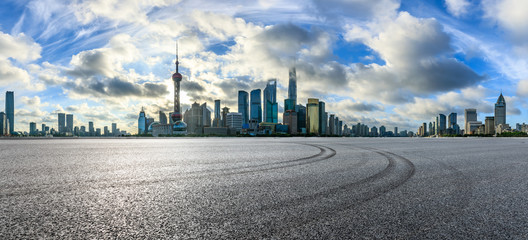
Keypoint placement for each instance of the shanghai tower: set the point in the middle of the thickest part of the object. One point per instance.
(292, 85)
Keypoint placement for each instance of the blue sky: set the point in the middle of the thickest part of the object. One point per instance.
(379, 62)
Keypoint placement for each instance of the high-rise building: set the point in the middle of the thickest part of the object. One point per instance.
(62, 123)
(336, 126)
(43, 129)
(225, 111)
(114, 127)
(32, 128)
(69, 123)
(382, 131)
(3, 124)
(322, 121)
(234, 120)
(91, 130)
(10, 111)
(162, 118)
(301, 118)
(197, 117)
(489, 124)
(142, 123)
(470, 115)
(452, 120)
(256, 106)
(243, 106)
(271, 110)
(340, 128)
(290, 118)
(217, 121)
(396, 131)
(441, 124)
(331, 124)
(106, 133)
(292, 85)
(374, 131)
(500, 111)
(312, 116)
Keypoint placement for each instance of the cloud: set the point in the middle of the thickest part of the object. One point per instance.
(511, 16)
(522, 88)
(19, 47)
(457, 7)
(135, 11)
(426, 108)
(13, 49)
(418, 61)
(359, 9)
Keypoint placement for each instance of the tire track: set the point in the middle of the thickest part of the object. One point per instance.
(284, 216)
(324, 154)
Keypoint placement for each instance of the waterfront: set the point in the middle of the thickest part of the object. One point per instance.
(213, 188)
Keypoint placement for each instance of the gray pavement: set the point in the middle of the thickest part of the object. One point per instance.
(265, 188)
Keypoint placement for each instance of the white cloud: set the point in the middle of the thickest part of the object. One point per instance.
(457, 7)
(522, 88)
(511, 16)
(19, 47)
(124, 11)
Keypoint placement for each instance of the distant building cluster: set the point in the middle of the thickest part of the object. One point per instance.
(257, 114)
(65, 127)
(492, 124)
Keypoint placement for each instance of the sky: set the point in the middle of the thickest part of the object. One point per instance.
(378, 62)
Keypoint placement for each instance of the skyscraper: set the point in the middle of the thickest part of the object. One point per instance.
(441, 124)
(382, 131)
(292, 85)
(162, 119)
(32, 128)
(69, 123)
(452, 120)
(114, 127)
(256, 106)
(312, 116)
(197, 118)
(10, 110)
(489, 125)
(217, 121)
(331, 124)
(142, 123)
(470, 115)
(322, 120)
(91, 129)
(500, 111)
(271, 110)
(3, 124)
(61, 123)
(243, 106)
(225, 111)
(301, 118)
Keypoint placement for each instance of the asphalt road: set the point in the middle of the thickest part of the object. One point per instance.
(265, 188)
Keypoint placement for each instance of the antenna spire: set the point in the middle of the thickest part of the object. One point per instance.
(177, 62)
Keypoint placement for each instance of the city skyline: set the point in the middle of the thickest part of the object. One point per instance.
(375, 66)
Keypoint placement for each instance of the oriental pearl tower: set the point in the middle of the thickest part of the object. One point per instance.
(178, 127)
